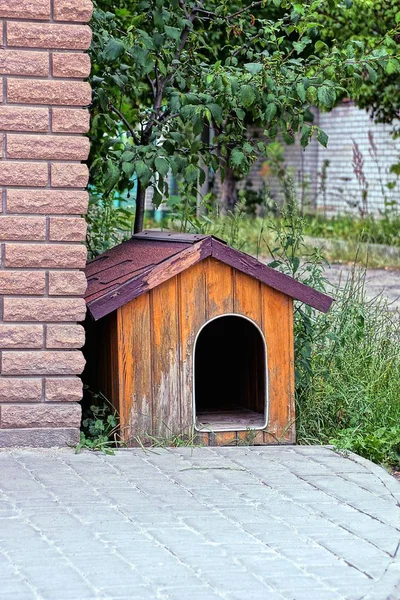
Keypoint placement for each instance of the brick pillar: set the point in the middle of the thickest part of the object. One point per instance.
(43, 64)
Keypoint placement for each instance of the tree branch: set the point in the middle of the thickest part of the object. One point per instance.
(152, 85)
(242, 10)
(126, 123)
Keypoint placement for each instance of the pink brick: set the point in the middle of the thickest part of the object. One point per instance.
(39, 91)
(43, 256)
(47, 362)
(22, 62)
(21, 336)
(71, 65)
(20, 390)
(67, 229)
(65, 389)
(36, 437)
(22, 282)
(23, 174)
(69, 175)
(44, 309)
(47, 202)
(73, 10)
(14, 118)
(47, 147)
(65, 336)
(22, 228)
(40, 415)
(48, 35)
(67, 283)
(70, 120)
(25, 9)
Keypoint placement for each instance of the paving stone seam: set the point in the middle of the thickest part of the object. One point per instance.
(385, 478)
(19, 573)
(53, 543)
(116, 508)
(146, 533)
(392, 564)
(319, 513)
(234, 523)
(339, 501)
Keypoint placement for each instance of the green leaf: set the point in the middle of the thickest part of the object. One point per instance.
(299, 46)
(270, 112)
(253, 68)
(247, 95)
(301, 92)
(322, 137)
(216, 112)
(142, 171)
(395, 169)
(157, 198)
(173, 32)
(392, 66)
(320, 45)
(128, 156)
(161, 165)
(162, 67)
(103, 99)
(306, 132)
(371, 72)
(326, 96)
(128, 168)
(111, 176)
(113, 49)
(191, 173)
(237, 158)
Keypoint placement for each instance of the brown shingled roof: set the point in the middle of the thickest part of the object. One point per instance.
(150, 258)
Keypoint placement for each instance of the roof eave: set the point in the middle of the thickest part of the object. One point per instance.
(207, 247)
(275, 279)
(149, 279)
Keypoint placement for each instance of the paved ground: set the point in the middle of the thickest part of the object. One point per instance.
(378, 281)
(277, 523)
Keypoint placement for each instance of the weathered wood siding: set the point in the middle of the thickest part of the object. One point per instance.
(155, 341)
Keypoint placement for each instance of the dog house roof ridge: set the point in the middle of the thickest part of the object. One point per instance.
(151, 257)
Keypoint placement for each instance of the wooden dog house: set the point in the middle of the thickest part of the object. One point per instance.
(185, 332)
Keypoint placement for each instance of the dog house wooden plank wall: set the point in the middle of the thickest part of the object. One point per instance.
(186, 332)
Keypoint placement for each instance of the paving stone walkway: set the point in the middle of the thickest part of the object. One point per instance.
(276, 523)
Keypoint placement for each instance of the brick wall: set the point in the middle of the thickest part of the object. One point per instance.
(43, 65)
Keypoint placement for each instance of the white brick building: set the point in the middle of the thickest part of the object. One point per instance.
(344, 125)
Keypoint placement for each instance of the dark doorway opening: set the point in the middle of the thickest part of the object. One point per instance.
(230, 375)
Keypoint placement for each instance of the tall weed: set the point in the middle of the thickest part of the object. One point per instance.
(347, 362)
(353, 397)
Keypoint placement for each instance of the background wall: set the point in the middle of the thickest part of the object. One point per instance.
(345, 124)
(43, 64)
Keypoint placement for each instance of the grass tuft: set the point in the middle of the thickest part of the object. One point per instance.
(353, 397)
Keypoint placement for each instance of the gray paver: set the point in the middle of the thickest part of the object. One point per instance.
(277, 523)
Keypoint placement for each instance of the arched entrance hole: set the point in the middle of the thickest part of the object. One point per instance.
(230, 375)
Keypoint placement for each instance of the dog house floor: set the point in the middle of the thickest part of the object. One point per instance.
(229, 420)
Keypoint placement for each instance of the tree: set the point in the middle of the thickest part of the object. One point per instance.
(376, 24)
(165, 72)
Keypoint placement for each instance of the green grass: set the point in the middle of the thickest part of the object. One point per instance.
(374, 230)
(256, 237)
(353, 399)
